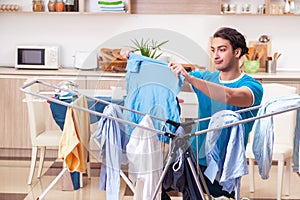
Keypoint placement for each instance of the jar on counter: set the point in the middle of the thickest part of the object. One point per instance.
(280, 9)
(51, 5)
(69, 5)
(37, 6)
(273, 9)
(246, 8)
(59, 6)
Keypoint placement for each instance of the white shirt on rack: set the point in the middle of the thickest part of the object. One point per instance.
(144, 153)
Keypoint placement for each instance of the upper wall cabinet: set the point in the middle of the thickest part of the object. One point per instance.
(260, 7)
(175, 7)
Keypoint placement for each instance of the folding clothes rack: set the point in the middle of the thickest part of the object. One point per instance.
(50, 99)
(178, 140)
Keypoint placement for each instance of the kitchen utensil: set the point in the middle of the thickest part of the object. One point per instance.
(260, 54)
(264, 39)
(276, 55)
(250, 54)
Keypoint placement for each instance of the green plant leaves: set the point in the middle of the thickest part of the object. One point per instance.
(148, 47)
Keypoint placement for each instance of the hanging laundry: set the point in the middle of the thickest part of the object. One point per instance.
(151, 88)
(144, 153)
(73, 146)
(263, 139)
(228, 164)
(112, 140)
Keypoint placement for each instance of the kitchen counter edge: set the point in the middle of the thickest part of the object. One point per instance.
(75, 72)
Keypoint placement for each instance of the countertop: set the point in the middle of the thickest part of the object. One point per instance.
(279, 76)
(96, 73)
(59, 72)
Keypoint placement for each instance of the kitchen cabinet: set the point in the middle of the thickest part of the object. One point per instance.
(295, 84)
(14, 124)
(15, 137)
(286, 78)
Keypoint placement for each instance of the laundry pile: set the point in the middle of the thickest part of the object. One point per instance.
(111, 6)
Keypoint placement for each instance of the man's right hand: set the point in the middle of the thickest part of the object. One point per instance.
(178, 69)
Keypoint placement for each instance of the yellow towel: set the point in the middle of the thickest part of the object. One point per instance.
(73, 145)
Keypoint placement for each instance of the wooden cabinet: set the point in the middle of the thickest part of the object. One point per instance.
(286, 78)
(295, 84)
(14, 126)
(13, 117)
(14, 121)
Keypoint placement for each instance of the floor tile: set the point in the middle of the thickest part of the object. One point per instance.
(14, 175)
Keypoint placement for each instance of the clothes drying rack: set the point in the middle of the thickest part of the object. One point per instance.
(175, 141)
(76, 93)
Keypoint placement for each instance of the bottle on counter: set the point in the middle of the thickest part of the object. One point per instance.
(292, 6)
(273, 9)
(69, 5)
(51, 5)
(59, 6)
(287, 8)
(280, 9)
(76, 5)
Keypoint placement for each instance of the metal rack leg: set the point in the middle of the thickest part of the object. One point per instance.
(169, 161)
(195, 175)
(52, 184)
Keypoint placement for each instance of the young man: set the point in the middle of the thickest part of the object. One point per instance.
(226, 89)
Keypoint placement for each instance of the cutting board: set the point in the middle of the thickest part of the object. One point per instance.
(267, 51)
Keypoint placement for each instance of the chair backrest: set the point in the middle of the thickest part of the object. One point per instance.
(284, 124)
(36, 114)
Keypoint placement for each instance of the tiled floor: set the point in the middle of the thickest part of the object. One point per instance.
(13, 176)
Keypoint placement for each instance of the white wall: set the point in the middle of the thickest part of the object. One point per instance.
(85, 32)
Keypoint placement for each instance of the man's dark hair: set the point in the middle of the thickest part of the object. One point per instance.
(236, 39)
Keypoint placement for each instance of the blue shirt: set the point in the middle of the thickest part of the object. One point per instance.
(227, 165)
(263, 139)
(207, 106)
(112, 139)
(152, 89)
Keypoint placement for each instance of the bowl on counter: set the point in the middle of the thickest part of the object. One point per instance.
(251, 66)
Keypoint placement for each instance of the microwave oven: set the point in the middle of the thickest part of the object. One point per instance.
(37, 57)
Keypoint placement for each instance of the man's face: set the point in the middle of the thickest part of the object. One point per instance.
(223, 56)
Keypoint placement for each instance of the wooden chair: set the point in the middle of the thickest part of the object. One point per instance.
(40, 137)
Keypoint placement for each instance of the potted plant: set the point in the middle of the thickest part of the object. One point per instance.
(148, 48)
